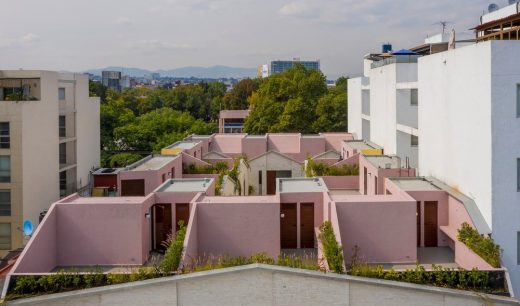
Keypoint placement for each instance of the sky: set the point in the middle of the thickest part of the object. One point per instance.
(76, 35)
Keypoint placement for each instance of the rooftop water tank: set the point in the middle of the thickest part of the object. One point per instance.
(387, 48)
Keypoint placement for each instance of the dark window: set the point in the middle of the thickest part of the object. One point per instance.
(63, 129)
(63, 183)
(518, 174)
(414, 97)
(5, 139)
(5, 202)
(259, 177)
(63, 153)
(375, 183)
(5, 236)
(61, 93)
(5, 169)
(414, 141)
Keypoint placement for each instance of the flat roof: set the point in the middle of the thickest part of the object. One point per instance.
(154, 163)
(301, 185)
(384, 161)
(186, 145)
(185, 185)
(360, 144)
(414, 184)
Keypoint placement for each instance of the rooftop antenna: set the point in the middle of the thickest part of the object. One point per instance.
(444, 25)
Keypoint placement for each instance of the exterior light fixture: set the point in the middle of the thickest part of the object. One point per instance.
(147, 215)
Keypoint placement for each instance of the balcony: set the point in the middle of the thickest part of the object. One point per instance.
(12, 89)
(398, 59)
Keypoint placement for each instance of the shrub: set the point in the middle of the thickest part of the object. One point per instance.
(332, 250)
(124, 159)
(262, 258)
(25, 284)
(172, 257)
(114, 279)
(485, 247)
(320, 169)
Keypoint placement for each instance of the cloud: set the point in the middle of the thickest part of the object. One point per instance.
(299, 9)
(154, 45)
(124, 21)
(24, 40)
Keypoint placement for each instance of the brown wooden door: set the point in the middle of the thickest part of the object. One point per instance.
(271, 182)
(418, 224)
(132, 188)
(182, 213)
(307, 225)
(430, 224)
(288, 229)
(162, 217)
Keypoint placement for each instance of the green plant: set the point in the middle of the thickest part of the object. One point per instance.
(172, 257)
(331, 248)
(114, 278)
(320, 169)
(94, 278)
(25, 284)
(251, 190)
(485, 247)
(15, 96)
(262, 258)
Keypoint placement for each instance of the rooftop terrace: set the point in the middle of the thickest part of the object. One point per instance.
(185, 185)
(151, 163)
(415, 184)
(385, 161)
(361, 145)
(301, 185)
(185, 145)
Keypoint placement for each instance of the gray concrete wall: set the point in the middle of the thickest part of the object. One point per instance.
(266, 285)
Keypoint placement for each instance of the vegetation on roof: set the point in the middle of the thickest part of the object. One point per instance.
(314, 169)
(484, 247)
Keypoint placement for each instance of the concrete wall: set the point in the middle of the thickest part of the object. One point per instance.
(267, 285)
(371, 224)
(272, 161)
(152, 178)
(228, 226)
(354, 107)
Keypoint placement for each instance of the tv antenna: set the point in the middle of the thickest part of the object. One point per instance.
(444, 25)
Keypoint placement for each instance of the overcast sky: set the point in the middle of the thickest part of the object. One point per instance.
(76, 35)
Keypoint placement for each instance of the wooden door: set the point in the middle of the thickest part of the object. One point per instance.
(365, 181)
(132, 188)
(182, 213)
(418, 224)
(162, 217)
(271, 182)
(430, 224)
(288, 229)
(307, 225)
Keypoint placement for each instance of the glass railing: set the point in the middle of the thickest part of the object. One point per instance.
(398, 59)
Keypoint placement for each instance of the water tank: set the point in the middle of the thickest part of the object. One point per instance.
(493, 7)
(387, 48)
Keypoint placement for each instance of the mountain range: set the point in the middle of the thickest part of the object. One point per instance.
(213, 72)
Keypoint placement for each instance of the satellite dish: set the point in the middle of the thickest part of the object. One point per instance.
(493, 7)
(27, 227)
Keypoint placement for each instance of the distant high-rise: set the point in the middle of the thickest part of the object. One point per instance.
(281, 66)
(112, 79)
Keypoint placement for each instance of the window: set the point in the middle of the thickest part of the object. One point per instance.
(63, 183)
(414, 97)
(5, 169)
(63, 153)
(518, 100)
(61, 93)
(375, 185)
(5, 139)
(63, 129)
(414, 141)
(5, 202)
(5, 236)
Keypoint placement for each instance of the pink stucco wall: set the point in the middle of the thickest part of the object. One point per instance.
(353, 160)
(334, 141)
(39, 255)
(284, 143)
(227, 144)
(152, 178)
(383, 227)
(379, 173)
(238, 229)
(191, 242)
(341, 182)
(312, 146)
(189, 159)
(254, 146)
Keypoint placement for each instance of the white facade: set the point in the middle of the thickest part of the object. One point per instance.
(36, 135)
(381, 108)
(470, 133)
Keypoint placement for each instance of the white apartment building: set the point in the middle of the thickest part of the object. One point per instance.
(49, 141)
(467, 121)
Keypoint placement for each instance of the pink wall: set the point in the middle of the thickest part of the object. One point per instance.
(39, 255)
(341, 182)
(254, 146)
(238, 229)
(334, 141)
(284, 143)
(229, 161)
(312, 146)
(152, 178)
(305, 197)
(385, 229)
(353, 160)
(227, 144)
(189, 159)
(191, 242)
(379, 173)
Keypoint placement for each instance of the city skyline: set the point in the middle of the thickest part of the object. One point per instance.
(167, 34)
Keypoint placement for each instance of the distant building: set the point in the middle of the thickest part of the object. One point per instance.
(112, 79)
(281, 66)
(155, 76)
(263, 71)
(232, 121)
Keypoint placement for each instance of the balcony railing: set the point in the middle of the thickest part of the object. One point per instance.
(398, 59)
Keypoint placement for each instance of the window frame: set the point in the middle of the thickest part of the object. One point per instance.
(8, 157)
(9, 237)
(9, 202)
(60, 96)
(412, 144)
(62, 128)
(5, 139)
(416, 90)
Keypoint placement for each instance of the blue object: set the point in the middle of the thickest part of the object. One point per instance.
(27, 227)
(387, 48)
(405, 52)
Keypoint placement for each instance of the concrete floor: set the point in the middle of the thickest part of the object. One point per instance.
(441, 256)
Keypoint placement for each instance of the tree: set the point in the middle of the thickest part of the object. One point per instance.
(97, 89)
(264, 115)
(331, 112)
(297, 117)
(237, 97)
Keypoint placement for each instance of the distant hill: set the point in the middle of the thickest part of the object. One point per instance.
(213, 72)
